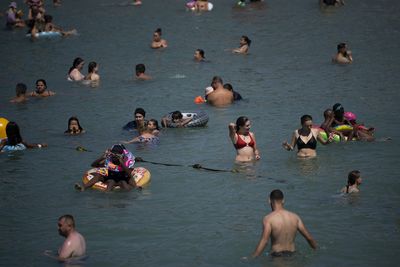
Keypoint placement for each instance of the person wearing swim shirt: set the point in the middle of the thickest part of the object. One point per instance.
(14, 140)
(243, 140)
(305, 139)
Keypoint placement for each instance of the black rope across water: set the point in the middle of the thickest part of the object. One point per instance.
(139, 159)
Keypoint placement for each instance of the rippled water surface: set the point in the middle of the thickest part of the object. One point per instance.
(189, 217)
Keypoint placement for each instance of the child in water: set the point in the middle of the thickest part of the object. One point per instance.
(74, 127)
(353, 181)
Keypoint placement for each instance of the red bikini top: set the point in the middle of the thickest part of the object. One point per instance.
(240, 143)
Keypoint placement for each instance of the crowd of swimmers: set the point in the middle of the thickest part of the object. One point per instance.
(280, 225)
(37, 20)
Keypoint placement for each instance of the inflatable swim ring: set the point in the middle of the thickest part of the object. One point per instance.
(45, 34)
(140, 174)
(3, 125)
(200, 119)
(343, 128)
(325, 137)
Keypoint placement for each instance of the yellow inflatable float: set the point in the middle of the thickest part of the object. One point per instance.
(3, 125)
(140, 174)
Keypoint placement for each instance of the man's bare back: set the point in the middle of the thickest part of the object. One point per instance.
(281, 226)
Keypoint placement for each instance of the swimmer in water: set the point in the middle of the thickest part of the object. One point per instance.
(199, 55)
(119, 163)
(243, 140)
(343, 56)
(74, 127)
(74, 73)
(41, 89)
(139, 121)
(74, 246)
(176, 120)
(244, 45)
(14, 139)
(306, 139)
(20, 91)
(137, 2)
(146, 136)
(93, 78)
(140, 73)
(201, 5)
(331, 2)
(158, 42)
(281, 226)
(51, 27)
(219, 97)
(353, 182)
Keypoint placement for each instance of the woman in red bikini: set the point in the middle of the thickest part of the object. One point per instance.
(243, 140)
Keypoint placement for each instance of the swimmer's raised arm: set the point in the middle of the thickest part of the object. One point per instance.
(232, 132)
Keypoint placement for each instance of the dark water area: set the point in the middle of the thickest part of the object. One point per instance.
(189, 217)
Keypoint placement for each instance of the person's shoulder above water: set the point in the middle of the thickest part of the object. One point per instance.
(220, 96)
(343, 56)
(158, 42)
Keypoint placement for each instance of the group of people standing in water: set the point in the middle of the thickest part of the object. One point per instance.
(119, 161)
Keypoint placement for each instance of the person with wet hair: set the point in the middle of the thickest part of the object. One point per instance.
(74, 73)
(74, 246)
(281, 226)
(140, 70)
(244, 45)
(343, 56)
(158, 42)
(41, 89)
(14, 140)
(74, 127)
(353, 182)
(20, 92)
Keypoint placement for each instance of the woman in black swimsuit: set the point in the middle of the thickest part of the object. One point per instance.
(306, 139)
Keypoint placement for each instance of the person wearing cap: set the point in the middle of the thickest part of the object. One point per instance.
(343, 56)
(12, 19)
(361, 132)
(119, 164)
(220, 97)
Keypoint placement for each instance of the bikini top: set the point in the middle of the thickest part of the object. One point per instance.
(240, 143)
(312, 142)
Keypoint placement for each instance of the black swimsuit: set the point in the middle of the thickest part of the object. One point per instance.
(312, 143)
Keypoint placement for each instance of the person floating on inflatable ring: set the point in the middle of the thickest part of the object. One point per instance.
(118, 165)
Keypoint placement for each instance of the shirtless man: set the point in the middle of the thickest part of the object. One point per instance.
(140, 73)
(281, 225)
(74, 246)
(220, 96)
